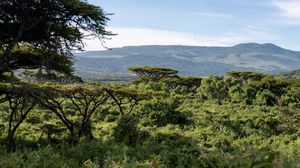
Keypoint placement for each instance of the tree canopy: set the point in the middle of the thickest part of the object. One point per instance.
(187, 81)
(152, 73)
(38, 33)
(246, 75)
(127, 98)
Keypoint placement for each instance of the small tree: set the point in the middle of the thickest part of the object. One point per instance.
(127, 130)
(126, 99)
(20, 103)
(84, 100)
(152, 73)
(246, 75)
(191, 83)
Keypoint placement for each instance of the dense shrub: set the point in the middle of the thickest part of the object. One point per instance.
(127, 130)
(158, 112)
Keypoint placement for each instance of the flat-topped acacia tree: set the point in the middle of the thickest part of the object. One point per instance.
(152, 73)
(192, 83)
(127, 98)
(84, 100)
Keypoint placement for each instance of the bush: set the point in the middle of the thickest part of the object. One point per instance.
(127, 130)
(266, 98)
(175, 150)
(162, 112)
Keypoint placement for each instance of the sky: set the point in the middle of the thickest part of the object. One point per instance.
(200, 22)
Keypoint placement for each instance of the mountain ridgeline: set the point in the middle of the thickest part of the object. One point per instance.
(189, 60)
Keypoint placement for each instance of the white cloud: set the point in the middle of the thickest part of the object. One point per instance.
(289, 8)
(214, 14)
(145, 36)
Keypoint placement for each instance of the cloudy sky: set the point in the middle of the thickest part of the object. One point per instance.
(201, 22)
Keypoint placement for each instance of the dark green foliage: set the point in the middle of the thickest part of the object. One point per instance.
(292, 97)
(191, 83)
(85, 151)
(250, 158)
(57, 156)
(36, 34)
(214, 88)
(159, 112)
(28, 57)
(246, 75)
(177, 151)
(276, 86)
(127, 131)
(266, 97)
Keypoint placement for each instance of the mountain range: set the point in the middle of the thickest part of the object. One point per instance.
(189, 60)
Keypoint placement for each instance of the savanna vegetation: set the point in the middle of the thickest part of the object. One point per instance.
(243, 119)
(51, 118)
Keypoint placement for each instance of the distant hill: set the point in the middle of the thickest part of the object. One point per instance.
(189, 60)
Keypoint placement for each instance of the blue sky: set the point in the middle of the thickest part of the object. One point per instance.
(201, 22)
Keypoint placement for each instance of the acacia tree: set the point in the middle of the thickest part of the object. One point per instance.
(192, 83)
(127, 99)
(152, 73)
(84, 100)
(246, 75)
(19, 104)
(50, 30)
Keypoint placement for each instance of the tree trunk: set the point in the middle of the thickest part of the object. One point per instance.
(11, 142)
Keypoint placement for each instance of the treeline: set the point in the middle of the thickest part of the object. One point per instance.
(64, 101)
(252, 88)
